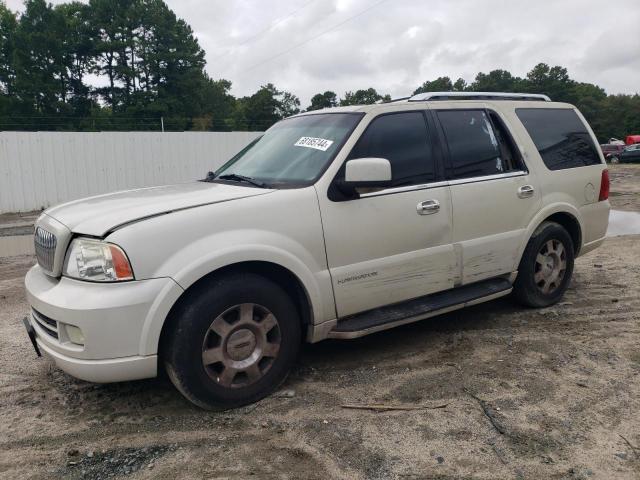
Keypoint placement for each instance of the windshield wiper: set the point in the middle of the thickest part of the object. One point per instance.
(242, 178)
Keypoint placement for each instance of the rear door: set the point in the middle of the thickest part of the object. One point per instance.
(493, 195)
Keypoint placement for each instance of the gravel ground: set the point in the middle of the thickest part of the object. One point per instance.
(625, 187)
(504, 392)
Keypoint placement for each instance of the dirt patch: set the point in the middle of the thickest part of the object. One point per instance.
(17, 223)
(110, 463)
(625, 187)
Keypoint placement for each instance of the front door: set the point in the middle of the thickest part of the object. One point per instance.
(395, 244)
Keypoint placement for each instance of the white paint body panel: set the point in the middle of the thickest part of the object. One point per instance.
(281, 227)
(368, 169)
(489, 221)
(112, 316)
(98, 215)
(380, 251)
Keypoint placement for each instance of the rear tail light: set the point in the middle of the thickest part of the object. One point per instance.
(604, 186)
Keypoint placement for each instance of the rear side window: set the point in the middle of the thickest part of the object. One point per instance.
(560, 137)
(401, 138)
(473, 145)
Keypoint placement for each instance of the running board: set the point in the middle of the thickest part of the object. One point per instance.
(420, 308)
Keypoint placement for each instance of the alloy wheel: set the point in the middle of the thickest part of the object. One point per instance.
(550, 267)
(241, 345)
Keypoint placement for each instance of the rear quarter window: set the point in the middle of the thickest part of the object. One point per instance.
(560, 136)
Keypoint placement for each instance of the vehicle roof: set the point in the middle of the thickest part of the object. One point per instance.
(439, 104)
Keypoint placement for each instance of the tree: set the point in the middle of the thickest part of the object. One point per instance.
(174, 61)
(41, 70)
(361, 97)
(217, 104)
(327, 99)
(152, 61)
(460, 85)
(440, 84)
(149, 65)
(551, 81)
(8, 26)
(617, 116)
(288, 105)
(264, 108)
(107, 27)
(590, 99)
(496, 81)
(77, 55)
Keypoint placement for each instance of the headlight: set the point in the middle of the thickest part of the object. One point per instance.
(96, 261)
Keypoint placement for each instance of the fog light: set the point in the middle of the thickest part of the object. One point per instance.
(75, 334)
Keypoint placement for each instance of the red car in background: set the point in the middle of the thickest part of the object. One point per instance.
(631, 139)
(612, 151)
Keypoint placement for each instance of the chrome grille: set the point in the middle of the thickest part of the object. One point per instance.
(45, 245)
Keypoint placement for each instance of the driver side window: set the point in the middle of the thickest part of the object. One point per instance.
(403, 139)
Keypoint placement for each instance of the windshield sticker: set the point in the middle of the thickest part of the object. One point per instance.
(317, 143)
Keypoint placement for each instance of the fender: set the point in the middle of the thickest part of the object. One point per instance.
(260, 253)
(546, 212)
(198, 268)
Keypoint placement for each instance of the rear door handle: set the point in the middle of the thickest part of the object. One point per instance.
(428, 207)
(525, 191)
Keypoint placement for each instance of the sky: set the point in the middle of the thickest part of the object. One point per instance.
(310, 46)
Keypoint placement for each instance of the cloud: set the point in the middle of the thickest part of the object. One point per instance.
(399, 44)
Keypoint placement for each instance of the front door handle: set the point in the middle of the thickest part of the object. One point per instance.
(428, 207)
(525, 191)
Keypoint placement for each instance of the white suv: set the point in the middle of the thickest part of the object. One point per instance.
(334, 224)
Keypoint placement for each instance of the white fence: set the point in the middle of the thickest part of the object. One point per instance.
(40, 169)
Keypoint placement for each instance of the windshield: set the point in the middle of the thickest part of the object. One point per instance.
(294, 151)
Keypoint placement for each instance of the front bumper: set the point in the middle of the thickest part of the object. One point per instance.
(104, 371)
(115, 320)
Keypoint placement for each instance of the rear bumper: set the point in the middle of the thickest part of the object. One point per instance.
(595, 221)
(587, 247)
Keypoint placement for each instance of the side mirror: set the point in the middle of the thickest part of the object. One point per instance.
(367, 173)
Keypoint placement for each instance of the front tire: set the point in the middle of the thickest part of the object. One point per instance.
(231, 341)
(546, 266)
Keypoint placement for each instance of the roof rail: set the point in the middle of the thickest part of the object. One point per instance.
(421, 97)
(400, 99)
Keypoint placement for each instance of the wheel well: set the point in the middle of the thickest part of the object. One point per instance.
(571, 225)
(272, 271)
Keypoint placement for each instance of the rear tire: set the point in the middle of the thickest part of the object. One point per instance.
(231, 341)
(546, 266)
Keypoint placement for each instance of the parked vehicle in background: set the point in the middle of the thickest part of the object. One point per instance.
(611, 151)
(632, 139)
(630, 154)
(336, 223)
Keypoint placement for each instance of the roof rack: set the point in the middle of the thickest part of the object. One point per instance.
(395, 100)
(421, 97)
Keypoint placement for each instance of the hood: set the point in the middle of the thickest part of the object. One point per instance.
(103, 213)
